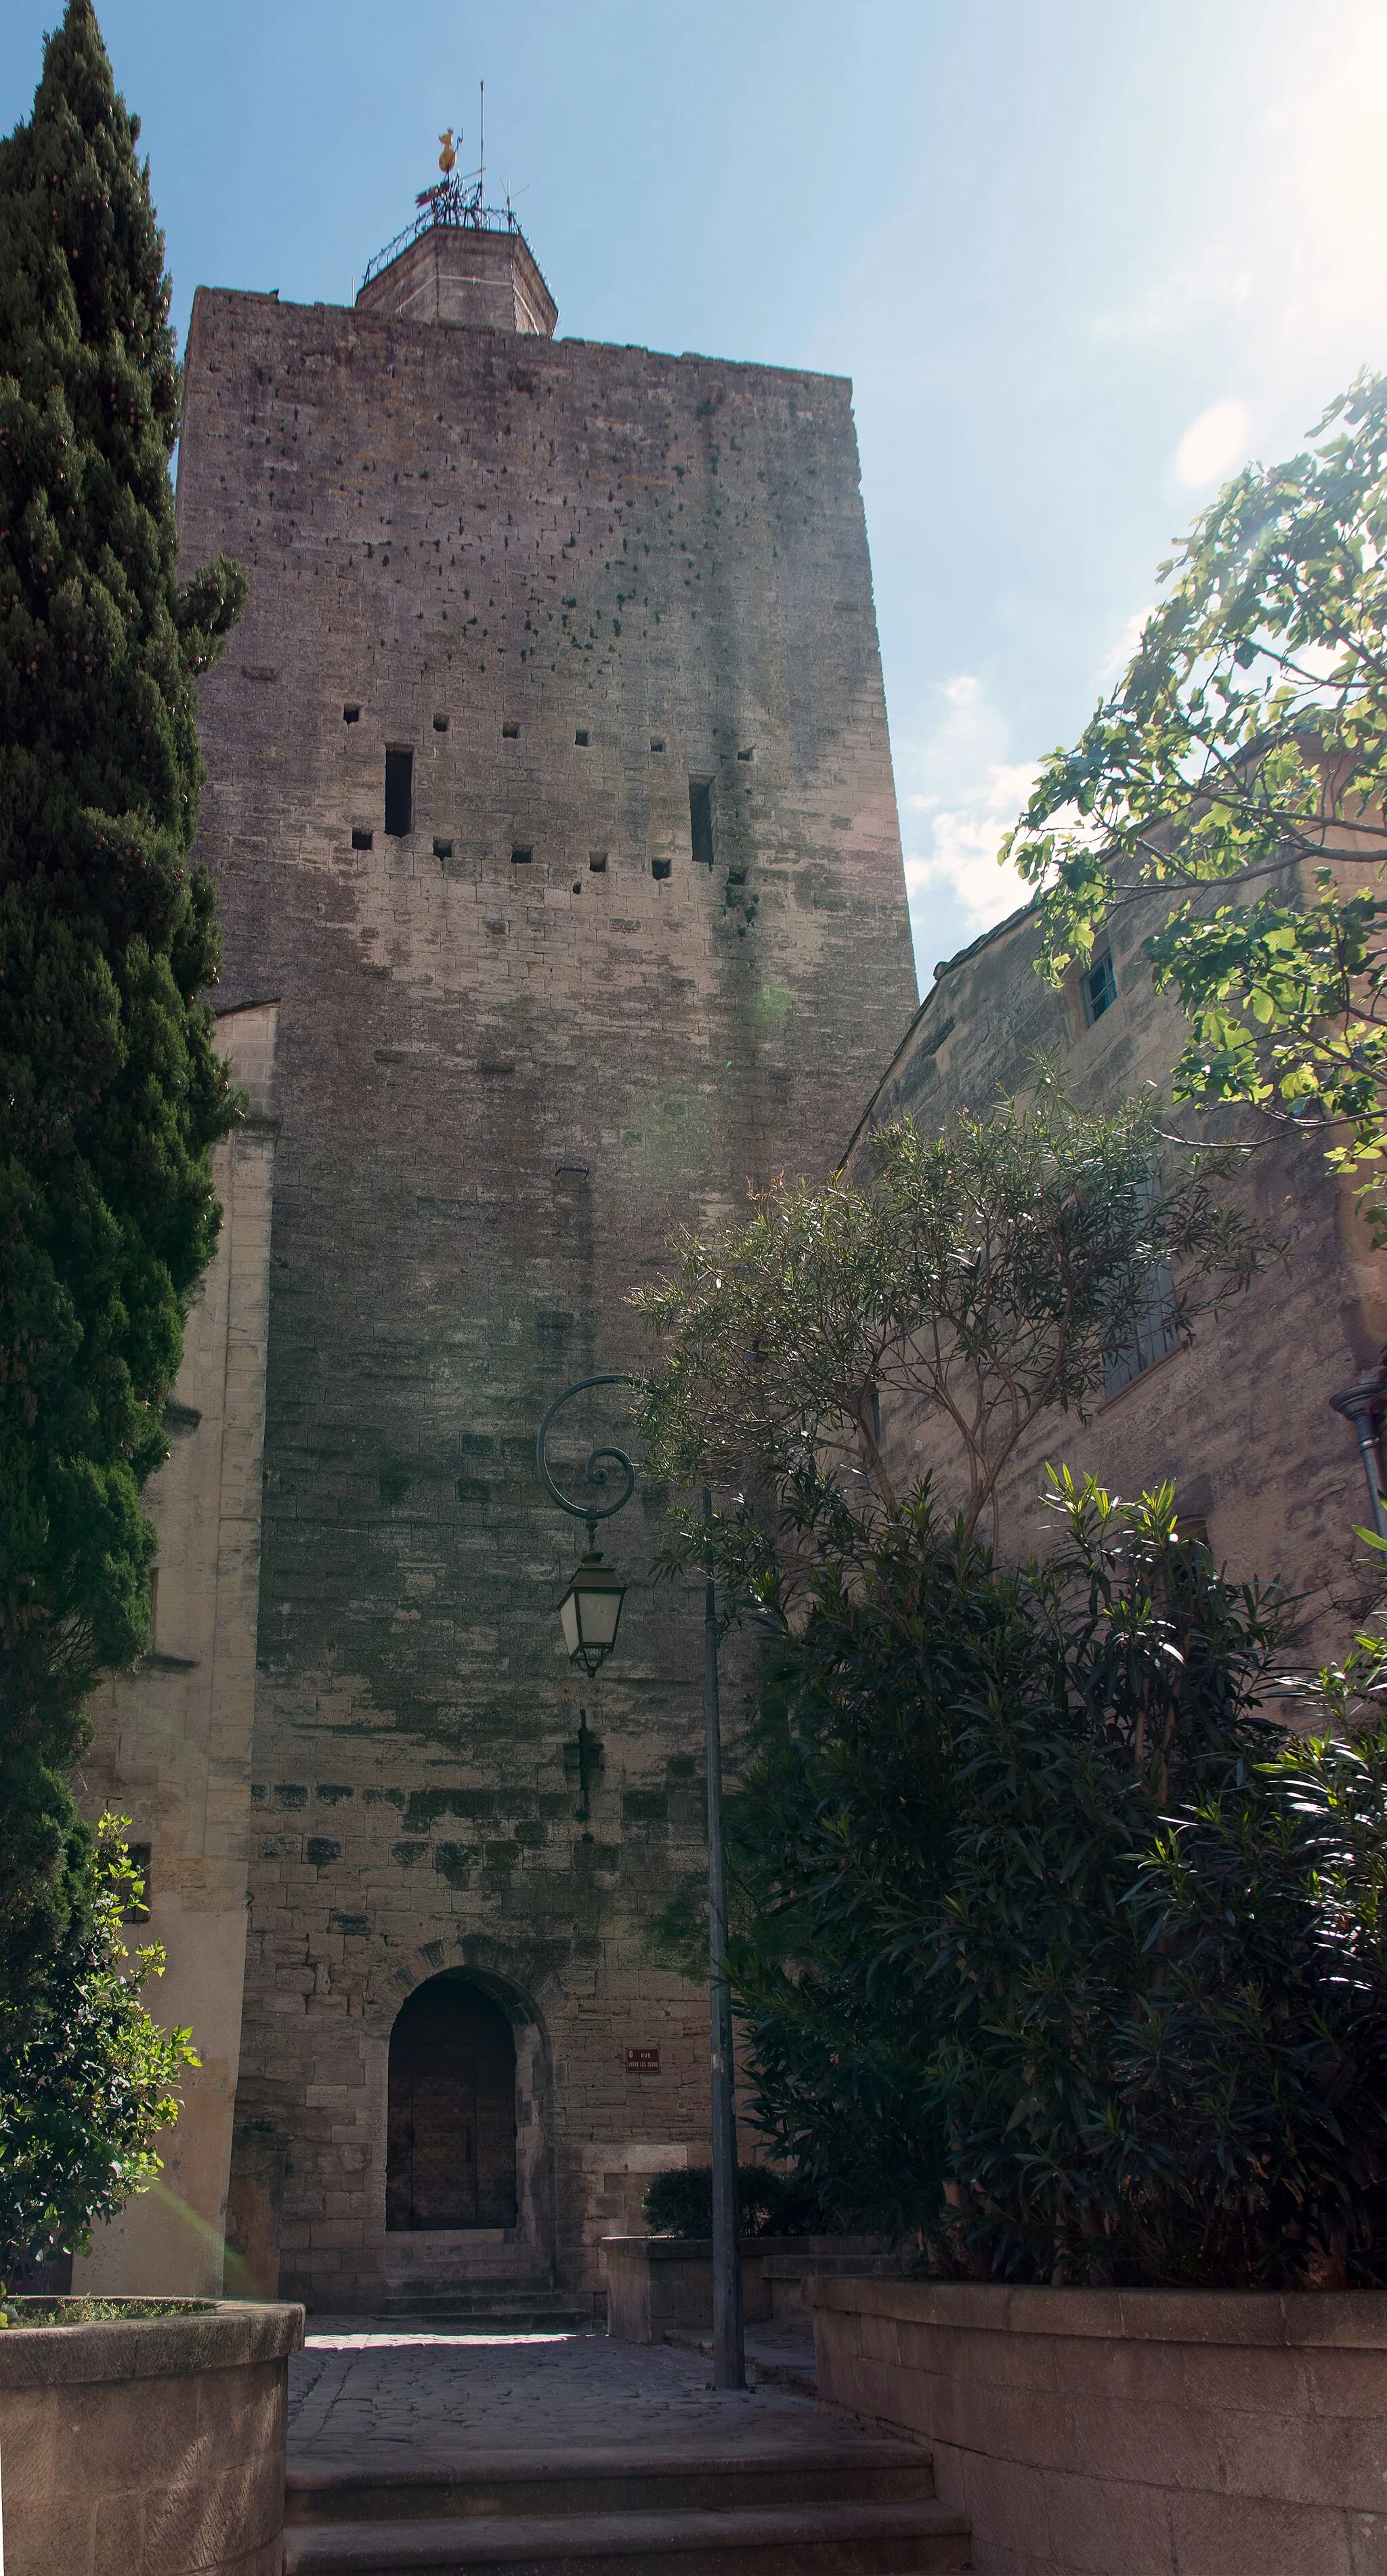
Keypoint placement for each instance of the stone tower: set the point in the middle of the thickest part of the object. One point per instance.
(550, 800)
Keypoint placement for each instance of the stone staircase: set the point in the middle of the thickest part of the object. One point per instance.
(856, 2508)
(489, 2307)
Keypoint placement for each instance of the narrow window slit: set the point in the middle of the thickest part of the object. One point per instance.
(1099, 988)
(399, 791)
(701, 820)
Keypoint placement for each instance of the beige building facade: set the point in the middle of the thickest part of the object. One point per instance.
(172, 1749)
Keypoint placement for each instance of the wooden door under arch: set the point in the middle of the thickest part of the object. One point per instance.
(450, 2157)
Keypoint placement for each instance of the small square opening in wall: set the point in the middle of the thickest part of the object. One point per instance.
(399, 791)
(597, 861)
(440, 724)
(581, 737)
(1098, 988)
(443, 849)
(521, 858)
(362, 840)
(351, 715)
(746, 755)
(510, 733)
(657, 742)
(660, 868)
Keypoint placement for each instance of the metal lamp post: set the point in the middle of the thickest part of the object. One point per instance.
(590, 1613)
(1364, 1404)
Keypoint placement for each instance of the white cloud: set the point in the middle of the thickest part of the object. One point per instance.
(1201, 291)
(1328, 212)
(963, 795)
(1214, 443)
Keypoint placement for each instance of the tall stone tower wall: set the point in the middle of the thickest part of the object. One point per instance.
(641, 941)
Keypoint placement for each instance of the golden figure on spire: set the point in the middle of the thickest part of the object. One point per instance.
(447, 158)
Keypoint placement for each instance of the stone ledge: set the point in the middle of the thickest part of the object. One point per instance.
(699, 2249)
(231, 2333)
(1349, 2319)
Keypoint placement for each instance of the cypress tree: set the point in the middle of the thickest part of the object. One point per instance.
(111, 1092)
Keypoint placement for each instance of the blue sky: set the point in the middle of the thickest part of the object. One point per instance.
(1079, 260)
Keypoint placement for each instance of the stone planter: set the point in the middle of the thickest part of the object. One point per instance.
(1130, 2432)
(147, 2446)
(654, 2282)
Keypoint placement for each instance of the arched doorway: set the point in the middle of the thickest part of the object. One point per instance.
(450, 2155)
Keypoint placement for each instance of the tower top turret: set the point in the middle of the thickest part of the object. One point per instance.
(460, 260)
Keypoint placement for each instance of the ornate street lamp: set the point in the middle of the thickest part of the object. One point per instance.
(590, 1611)
(589, 1614)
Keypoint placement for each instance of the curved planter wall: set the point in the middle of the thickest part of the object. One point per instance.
(151, 2446)
(1130, 2432)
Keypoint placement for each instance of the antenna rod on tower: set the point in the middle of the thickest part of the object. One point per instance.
(482, 145)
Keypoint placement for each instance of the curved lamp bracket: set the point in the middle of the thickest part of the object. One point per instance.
(598, 1459)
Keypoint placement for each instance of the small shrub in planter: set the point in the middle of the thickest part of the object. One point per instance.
(680, 2203)
(1055, 1953)
(81, 2311)
(87, 2076)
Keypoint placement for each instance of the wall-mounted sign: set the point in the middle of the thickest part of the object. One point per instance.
(642, 2061)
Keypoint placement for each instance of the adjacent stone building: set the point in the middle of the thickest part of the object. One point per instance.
(551, 812)
(1238, 1415)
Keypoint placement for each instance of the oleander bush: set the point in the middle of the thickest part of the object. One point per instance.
(1055, 1953)
(680, 2203)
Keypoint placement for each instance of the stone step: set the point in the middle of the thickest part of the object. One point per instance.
(605, 2482)
(487, 2316)
(809, 2540)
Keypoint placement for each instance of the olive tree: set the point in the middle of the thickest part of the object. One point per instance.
(958, 1290)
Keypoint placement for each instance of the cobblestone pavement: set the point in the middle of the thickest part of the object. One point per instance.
(362, 2396)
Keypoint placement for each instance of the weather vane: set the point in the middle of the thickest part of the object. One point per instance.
(447, 159)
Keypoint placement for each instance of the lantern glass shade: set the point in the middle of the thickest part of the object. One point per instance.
(590, 1612)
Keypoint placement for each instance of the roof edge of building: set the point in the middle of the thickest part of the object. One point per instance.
(946, 966)
(363, 318)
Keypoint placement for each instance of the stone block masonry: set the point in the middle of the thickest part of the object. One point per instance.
(1238, 1417)
(529, 622)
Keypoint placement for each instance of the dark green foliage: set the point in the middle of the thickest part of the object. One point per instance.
(87, 2078)
(111, 1093)
(771, 2204)
(1051, 1953)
